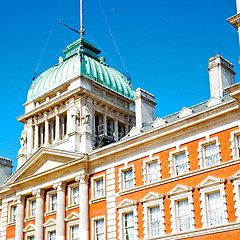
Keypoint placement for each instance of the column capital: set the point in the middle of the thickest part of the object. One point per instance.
(20, 198)
(38, 193)
(82, 178)
(60, 186)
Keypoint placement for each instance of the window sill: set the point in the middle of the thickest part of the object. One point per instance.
(97, 200)
(29, 218)
(72, 207)
(50, 213)
(11, 224)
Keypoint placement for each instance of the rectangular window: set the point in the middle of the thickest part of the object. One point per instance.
(99, 188)
(128, 179)
(210, 155)
(181, 165)
(32, 208)
(238, 146)
(75, 195)
(31, 238)
(214, 209)
(53, 202)
(13, 213)
(154, 221)
(183, 215)
(99, 230)
(129, 226)
(52, 235)
(152, 172)
(75, 233)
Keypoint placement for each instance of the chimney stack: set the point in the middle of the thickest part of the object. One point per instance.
(221, 75)
(144, 107)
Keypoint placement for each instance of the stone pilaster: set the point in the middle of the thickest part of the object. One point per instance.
(46, 129)
(57, 128)
(60, 229)
(83, 206)
(20, 217)
(36, 137)
(116, 130)
(39, 194)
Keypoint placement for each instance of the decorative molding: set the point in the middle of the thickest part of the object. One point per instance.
(59, 186)
(30, 227)
(82, 178)
(151, 196)
(213, 101)
(126, 203)
(184, 112)
(210, 180)
(38, 193)
(72, 217)
(50, 222)
(158, 122)
(178, 189)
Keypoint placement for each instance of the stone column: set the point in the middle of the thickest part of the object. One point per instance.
(83, 206)
(29, 129)
(60, 229)
(105, 124)
(36, 143)
(39, 194)
(57, 127)
(116, 130)
(126, 129)
(20, 217)
(46, 130)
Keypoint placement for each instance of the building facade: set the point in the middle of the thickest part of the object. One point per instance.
(96, 164)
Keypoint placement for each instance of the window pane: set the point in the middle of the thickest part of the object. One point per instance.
(75, 233)
(155, 223)
(99, 186)
(53, 202)
(75, 192)
(100, 229)
(32, 208)
(214, 205)
(52, 235)
(128, 179)
(183, 215)
(181, 164)
(153, 174)
(129, 226)
(211, 156)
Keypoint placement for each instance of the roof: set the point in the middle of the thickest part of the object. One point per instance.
(81, 59)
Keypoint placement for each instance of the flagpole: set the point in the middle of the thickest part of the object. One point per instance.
(81, 19)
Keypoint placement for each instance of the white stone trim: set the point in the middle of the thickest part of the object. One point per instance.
(71, 224)
(152, 200)
(94, 226)
(233, 145)
(10, 206)
(28, 217)
(179, 193)
(208, 186)
(200, 150)
(29, 231)
(236, 191)
(93, 190)
(151, 159)
(127, 206)
(70, 196)
(171, 160)
(120, 176)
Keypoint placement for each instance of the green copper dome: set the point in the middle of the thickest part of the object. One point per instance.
(81, 57)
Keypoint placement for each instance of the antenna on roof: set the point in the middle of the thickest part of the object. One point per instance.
(127, 75)
(82, 30)
(78, 32)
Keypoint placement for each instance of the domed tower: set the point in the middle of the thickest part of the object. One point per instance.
(77, 105)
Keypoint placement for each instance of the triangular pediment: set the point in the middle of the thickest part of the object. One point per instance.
(134, 131)
(213, 101)
(43, 160)
(151, 196)
(72, 216)
(30, 227)
(210, 181)
(50, 222)
(184, 112)
(126, 203)
(179, 189)
(158, 122)
(235, 175)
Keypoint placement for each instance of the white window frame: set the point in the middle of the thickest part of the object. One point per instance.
(235, 178)
(93, 188)
(29, 200)
(10, 213)
(72, 220)
(149, 201)
(124, 207)
(29, 231)
(70, 195)
(49, 232)
(70, 231)
(50, 225)
(177, 194)
(208, 186)
(201, 149)
(49, 194)
(233, 140)
(121, 177)
(145, 169)
(172, 164)
(94, 220)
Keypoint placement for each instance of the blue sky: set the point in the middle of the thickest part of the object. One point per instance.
(165, 45)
